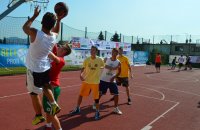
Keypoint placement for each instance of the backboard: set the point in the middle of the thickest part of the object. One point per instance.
(9, 6)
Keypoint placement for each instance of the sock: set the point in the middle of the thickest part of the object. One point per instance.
(54, 102)
(48, 124)
(60, 129)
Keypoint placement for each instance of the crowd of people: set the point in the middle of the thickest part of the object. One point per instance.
(180, 62)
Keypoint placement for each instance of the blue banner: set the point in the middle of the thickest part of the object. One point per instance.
(140, 57)
(12, 55)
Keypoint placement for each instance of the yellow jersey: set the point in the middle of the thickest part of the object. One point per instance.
(92, 70)
(124, 66)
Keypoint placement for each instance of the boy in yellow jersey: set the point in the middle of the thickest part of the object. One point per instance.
(90, 75)
(122, 79)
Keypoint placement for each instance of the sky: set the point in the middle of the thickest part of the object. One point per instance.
(128, 17)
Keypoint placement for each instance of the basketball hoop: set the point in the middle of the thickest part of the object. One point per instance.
(33, 3)
(11, 3)
(41, 3)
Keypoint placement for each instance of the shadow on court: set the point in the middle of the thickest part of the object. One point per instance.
(69, 121)
(150, 73)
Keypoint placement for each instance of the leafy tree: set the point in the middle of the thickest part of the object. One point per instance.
(164, 57)
(4, 40)
(115, 38)
(101, 36)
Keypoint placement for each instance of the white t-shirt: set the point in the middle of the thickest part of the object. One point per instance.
(180, 60)
(37, 58)
(108, 74)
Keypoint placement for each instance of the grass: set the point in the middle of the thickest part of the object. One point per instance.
(22, 70)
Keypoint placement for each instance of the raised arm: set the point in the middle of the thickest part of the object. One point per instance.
(27, 26)
(56, 29)
(54, 57)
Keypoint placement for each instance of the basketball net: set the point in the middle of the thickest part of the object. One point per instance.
(41, 3)
(33, 3)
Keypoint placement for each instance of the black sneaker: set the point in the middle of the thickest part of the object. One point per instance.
(129, 101)
(75, 111)
(97, 115)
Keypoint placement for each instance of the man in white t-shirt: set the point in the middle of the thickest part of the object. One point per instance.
(180, 61)
(37, 61)
(110, 72)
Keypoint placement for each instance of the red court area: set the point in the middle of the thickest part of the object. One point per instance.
(161, 101)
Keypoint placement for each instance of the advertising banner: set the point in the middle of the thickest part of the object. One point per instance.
(12, 55)
(77, 57)
(140, 57)
(193, 59)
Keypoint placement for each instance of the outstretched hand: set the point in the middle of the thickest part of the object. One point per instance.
(59, 17)
(37, 11)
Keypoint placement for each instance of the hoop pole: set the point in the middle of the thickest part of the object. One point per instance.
(10, 9)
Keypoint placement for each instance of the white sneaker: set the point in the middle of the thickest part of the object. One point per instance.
(94, 106)
(117, 111)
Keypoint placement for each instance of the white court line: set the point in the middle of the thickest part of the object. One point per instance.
(13, 95)
(20, 94)
(163, 96)
(180, 79)
(180, 91)
(149, 126)
(176, 79)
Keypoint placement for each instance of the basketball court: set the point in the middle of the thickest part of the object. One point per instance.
(161, 101)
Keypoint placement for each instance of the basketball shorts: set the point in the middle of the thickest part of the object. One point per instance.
(86, 89)
(35, 81)
(122, 81)
(46, 104)
(104, 86)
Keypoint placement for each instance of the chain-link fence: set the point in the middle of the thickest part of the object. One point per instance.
(11, 33)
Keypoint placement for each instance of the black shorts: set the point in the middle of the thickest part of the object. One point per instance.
(188, 63)
(104, 86)
(180, 64)
(122, 81)
(40, 79)
(157, 65)
(173, 64)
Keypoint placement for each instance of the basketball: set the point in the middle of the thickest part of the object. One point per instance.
(61, 8)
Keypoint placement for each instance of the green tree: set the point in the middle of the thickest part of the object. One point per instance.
(115, 38)
(101, 36)
(4, 40)
(164, 57)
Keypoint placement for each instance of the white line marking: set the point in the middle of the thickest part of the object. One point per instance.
(190, 93)
(162, 115)
(147, 128)
(20, 94)
(176, 79)
(163, 96)
(14, 95)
